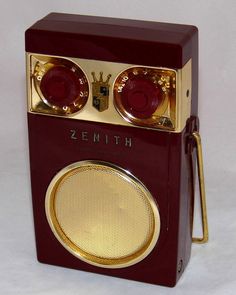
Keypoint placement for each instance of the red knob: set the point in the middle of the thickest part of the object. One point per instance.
(61, 86)
(140, 97)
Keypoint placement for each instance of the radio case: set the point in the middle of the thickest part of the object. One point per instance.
(158, 160)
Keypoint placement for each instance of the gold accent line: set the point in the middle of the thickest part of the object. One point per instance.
(201, 181)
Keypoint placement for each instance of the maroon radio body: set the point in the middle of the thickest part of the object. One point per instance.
(159, 159)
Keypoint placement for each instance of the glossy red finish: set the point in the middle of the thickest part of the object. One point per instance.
(117, 40)
(161, 160)
(160, 153)
(150, 43)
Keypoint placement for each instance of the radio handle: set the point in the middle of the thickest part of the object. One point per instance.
(198, 145)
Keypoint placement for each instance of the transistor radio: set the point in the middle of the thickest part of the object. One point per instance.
(113, 141)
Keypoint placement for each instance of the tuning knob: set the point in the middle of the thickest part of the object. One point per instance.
(138, 96)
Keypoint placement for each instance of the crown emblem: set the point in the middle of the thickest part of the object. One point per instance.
(100, 92)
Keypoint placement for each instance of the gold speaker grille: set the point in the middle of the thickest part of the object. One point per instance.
(102, 214)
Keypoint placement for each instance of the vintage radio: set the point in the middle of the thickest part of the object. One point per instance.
(113, 140)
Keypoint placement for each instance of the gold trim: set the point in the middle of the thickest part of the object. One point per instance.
(125, 261)
(201, 181)
(173, 119)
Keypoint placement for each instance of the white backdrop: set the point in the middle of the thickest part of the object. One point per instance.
(212, 269)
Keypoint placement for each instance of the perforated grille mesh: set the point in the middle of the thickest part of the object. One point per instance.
(103, 212)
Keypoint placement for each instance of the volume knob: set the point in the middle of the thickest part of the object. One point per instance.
(62, 86)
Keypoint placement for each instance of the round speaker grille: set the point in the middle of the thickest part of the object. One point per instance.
(102, 214)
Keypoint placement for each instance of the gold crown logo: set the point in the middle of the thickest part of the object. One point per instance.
(100, 81)
(100, 92)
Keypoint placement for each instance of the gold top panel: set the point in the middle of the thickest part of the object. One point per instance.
(107, 92)
(102, 214)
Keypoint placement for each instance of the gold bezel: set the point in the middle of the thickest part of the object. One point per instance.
(79, 253)
(167, 94)
(172, 120)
